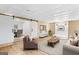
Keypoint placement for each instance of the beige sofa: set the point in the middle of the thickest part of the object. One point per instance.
(69, 49)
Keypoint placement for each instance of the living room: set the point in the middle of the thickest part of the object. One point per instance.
(38, 30)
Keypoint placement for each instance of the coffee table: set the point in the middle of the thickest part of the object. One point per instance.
(52, 42)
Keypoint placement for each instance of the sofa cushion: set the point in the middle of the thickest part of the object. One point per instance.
(73, 43)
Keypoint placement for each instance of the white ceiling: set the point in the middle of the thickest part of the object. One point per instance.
(42, 11)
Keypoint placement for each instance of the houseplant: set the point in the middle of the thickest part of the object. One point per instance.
(50, 33)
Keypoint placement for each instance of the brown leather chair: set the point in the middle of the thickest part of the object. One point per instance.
(30, 45)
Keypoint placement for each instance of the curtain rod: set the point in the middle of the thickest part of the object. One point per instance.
(18, 17)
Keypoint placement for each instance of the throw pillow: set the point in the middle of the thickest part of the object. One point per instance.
(73, 43)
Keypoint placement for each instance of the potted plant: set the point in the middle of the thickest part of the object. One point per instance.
(50, 33)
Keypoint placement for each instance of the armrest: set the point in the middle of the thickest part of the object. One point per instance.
(71, 48)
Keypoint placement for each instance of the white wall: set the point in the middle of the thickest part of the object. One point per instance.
(27, 28)
(35, 29)
(18, 22)
(6, 25)
(30, 28)
(62, 34)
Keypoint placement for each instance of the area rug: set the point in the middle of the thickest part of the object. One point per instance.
(57, 50)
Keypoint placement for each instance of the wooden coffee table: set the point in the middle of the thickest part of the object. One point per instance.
(52, 42)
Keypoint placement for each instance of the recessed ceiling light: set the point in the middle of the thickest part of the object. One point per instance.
(27, 10)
